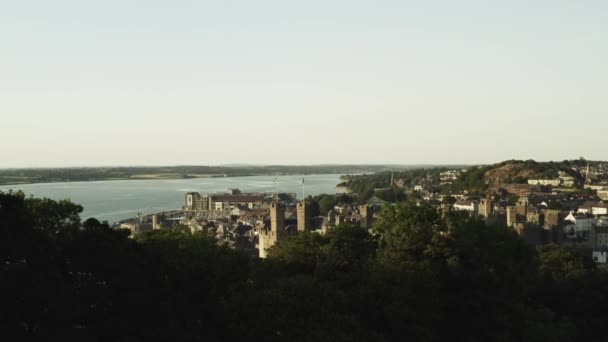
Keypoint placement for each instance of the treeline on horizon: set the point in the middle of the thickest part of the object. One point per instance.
(421, 277)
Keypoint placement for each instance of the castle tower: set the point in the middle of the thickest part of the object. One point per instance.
(486, 207)
(339, 220)
(511, 216)
(551, 219)
(157, 221)
(331, 218)
(535, 219)
(268, 238)
(367, 214)
(446, 208)
(277, 219)
(522, 206)
(303, 214)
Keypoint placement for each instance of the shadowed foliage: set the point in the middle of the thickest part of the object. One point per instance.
(420, 277)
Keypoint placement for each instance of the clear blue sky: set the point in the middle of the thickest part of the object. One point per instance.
(285, 82)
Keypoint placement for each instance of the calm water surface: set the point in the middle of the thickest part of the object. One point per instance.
(118, 200)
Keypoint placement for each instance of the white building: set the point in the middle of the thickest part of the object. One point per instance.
(603, 194)
(551, 182)
(447, 177)
(601, 210)
(472, 206)
(593, 208)
(578, 226)
(567, 180)
(599, 257)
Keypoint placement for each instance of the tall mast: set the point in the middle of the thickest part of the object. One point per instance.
(276, 192)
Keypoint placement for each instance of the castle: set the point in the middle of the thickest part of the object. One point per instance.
(276, 233)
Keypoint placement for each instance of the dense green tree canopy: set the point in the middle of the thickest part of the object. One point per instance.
(420, 276)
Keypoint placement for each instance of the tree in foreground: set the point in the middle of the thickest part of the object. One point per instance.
(421, 277)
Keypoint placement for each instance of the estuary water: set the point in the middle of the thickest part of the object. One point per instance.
(117, 200)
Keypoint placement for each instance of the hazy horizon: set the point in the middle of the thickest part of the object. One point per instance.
(229, 165)
(158, 83)
(238, 165)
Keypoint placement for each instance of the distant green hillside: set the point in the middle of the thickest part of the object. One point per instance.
(480, 179)
(476, 180)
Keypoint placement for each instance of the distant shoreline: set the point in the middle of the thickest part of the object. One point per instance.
(164, 177)
(64, 175)
(134, 178)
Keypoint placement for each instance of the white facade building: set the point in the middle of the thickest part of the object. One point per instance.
(579, 225)
(600, 257)
(551, 182)
(471, 206)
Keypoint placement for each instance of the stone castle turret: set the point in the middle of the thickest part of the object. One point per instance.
(157, 221)
(303, 211)
(511, 216)
(276, 233)
(367, 214)
(551, 218)
(486, 208)
(521, 207)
